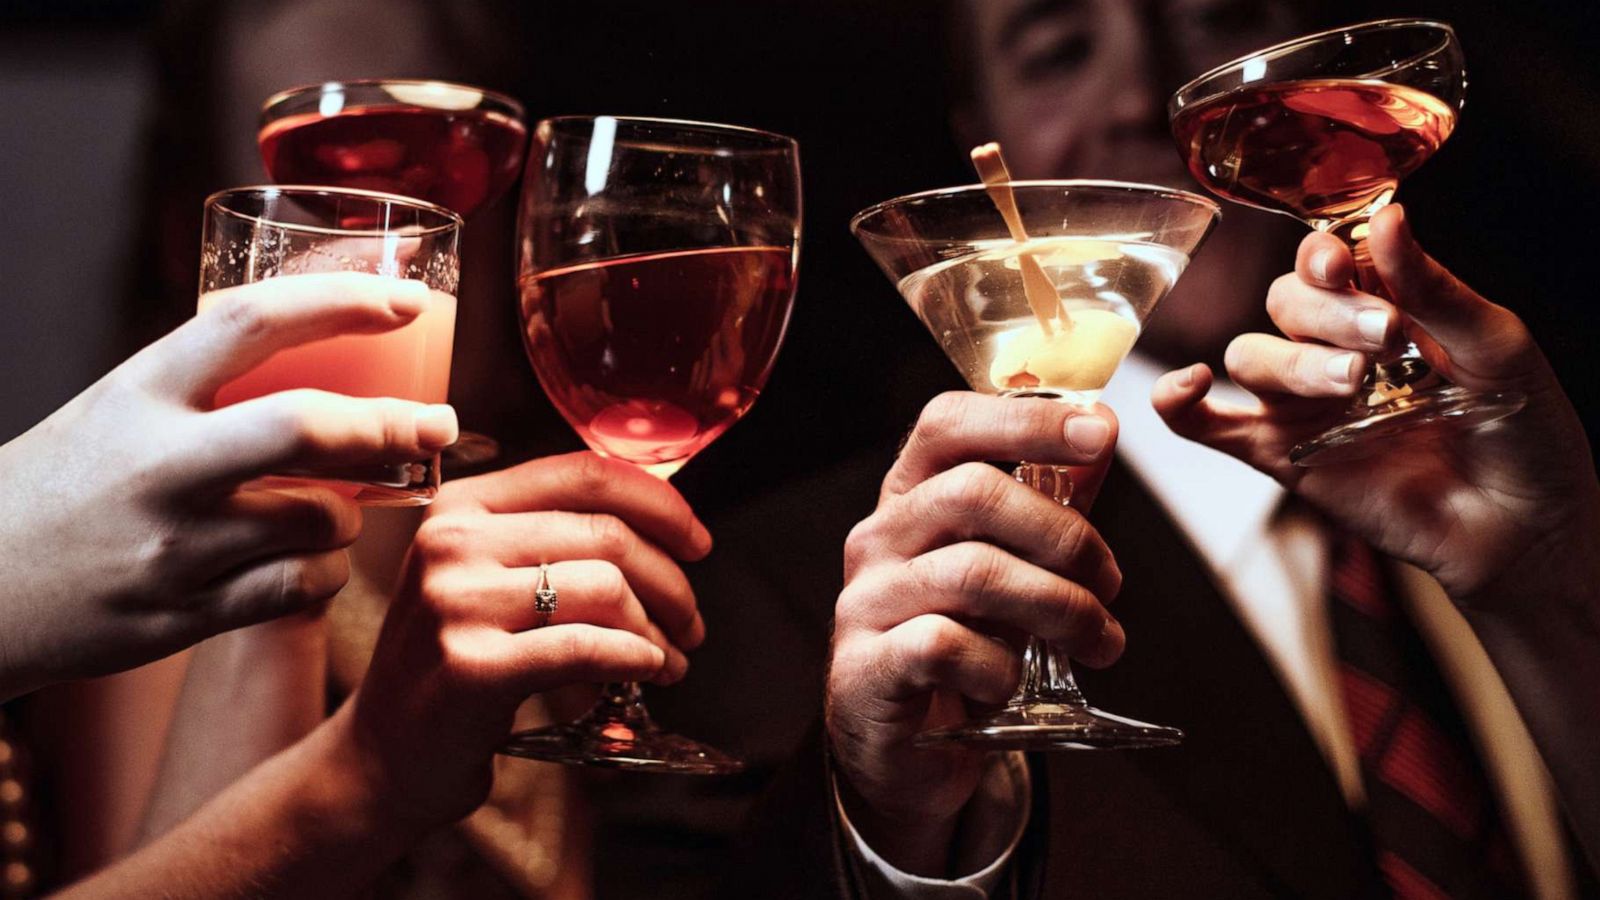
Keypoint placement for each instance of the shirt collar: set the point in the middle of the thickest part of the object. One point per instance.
(1221, 504)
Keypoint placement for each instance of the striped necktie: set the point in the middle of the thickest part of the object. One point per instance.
(1435, 827)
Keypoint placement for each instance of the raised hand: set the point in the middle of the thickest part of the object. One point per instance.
(126, 535)
(1473, 507)
(943, 582)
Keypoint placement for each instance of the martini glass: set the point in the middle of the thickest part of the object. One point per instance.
(1111, 251)
(1323, 128)
(657, 270)
(455, 145)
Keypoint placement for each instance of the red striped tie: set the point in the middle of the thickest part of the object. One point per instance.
(1435, 828)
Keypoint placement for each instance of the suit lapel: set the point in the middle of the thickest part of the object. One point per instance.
(1249, 779)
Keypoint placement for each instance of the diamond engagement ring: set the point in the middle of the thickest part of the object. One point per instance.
(544, 597)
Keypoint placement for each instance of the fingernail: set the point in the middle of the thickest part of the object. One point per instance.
(1373, 325)
(1186, 378)
(436, 426)
(1088, 434)
(1112, 641)
(409, 297)
(1320, 262)
(1341, 369)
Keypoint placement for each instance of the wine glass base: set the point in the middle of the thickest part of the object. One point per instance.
(1052, 726)
(616, 745)
(1441, 410)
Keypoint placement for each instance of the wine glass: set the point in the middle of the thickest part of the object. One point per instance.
(1322, 128)
(456, 145)
(1111, 252)
(657, 271)
(255, 233)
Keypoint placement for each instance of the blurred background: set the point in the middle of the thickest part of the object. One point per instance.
(122, 116)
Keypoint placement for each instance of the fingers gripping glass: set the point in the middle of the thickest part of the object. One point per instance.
(255, 234)
(657, 270)
(1323, 128)
(1109, 252)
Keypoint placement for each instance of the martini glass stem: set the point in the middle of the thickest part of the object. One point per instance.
(1046, 670)
(1047, 676)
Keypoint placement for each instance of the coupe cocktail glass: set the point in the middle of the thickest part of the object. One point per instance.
(1323, 128)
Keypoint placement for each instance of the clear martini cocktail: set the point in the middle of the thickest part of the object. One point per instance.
(1110, 251)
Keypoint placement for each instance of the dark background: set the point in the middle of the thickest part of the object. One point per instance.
(110, 143)
(116, 128)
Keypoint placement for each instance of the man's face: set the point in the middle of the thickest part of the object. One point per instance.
(1079, 88)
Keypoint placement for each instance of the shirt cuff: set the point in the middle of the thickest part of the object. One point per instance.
(1002, 804)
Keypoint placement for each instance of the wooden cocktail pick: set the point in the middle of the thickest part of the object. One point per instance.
(1036, 285)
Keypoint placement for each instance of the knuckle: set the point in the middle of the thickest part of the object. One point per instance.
(443, 537)
(589, 473)
(610, 535)
(611, 590)
(1073, 535)
(977, 569)
(943, 415)
(577, 646)
(933, 645)
(245, 319)
(971, 489)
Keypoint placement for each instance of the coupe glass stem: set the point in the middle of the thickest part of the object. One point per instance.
(1046, 670)
(1408, 368)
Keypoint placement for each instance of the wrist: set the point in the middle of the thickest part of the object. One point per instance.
(917, 844)
(347, 786)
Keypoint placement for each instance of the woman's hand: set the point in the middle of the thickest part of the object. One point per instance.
(126, 535)
(463, 646)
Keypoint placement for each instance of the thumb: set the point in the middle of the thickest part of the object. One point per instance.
(1487, 344)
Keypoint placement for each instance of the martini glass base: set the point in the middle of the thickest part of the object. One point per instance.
(1441, 410)
(611, 744)
(1052, 726)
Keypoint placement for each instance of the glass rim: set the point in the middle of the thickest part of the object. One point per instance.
(512, 104)
(1296, 43)
(1096, 184)
(217, 201)
(773, 137)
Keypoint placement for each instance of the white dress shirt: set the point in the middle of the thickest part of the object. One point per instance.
(1271, 567)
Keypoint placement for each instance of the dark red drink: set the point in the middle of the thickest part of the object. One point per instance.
(1324, 149)
(651, 357)
(458, 159)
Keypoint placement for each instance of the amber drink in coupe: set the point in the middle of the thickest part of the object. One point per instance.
(289, 234)
(651, 357)
(1323, 150)
(1324, 128)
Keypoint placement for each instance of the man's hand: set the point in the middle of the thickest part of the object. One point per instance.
(943, 583)
(1481, 508)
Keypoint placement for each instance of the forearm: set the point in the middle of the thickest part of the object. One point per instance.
(249, 694)
(307, 823)
(1545, 642)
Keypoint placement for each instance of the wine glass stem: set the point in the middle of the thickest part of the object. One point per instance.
(621, 701)
(1046, 670)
